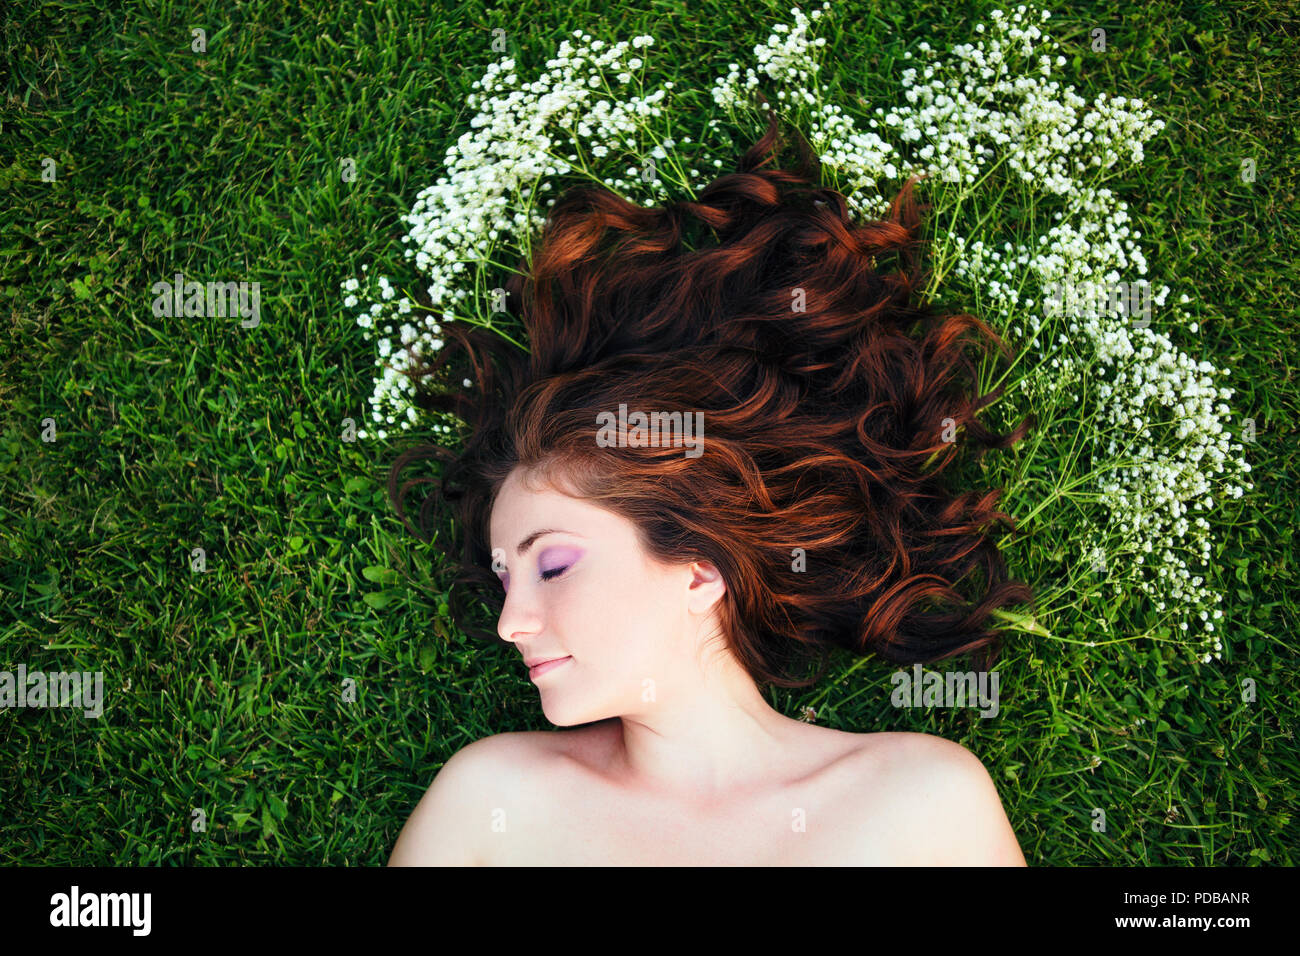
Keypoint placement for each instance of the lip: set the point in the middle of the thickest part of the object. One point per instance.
(534, 661)
(537, 670)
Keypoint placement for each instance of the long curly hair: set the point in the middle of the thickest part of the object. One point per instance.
(829, 424)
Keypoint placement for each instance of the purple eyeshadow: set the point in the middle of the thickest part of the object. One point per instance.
(553, 559)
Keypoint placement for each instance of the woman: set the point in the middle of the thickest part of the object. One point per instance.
(776, 498)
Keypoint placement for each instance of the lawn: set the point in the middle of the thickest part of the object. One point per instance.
(281, 681)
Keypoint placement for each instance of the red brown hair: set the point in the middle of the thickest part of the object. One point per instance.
(824, 429)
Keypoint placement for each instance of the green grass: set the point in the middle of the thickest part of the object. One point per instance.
(224, 689)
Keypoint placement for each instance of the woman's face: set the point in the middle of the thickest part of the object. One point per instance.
(583, 588)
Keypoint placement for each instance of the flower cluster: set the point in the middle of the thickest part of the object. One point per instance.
(996, 138)
(1159, 414)
(577, 115)
(990, 113)
(860, 160)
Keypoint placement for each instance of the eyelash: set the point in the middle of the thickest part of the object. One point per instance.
(550, 575)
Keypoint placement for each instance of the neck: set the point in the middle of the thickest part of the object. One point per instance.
(704, 744)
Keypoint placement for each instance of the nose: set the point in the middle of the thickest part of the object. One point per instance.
(519, 618)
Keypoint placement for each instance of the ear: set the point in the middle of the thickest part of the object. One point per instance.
(706, 587)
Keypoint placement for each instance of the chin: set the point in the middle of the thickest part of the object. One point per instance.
(563, 718)
(558, 712)
(567, 713)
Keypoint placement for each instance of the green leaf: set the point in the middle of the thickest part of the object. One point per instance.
(379, 574)
(277, 806)
(379, 599)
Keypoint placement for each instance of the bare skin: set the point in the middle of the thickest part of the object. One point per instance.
(564, 798)
(618, 821)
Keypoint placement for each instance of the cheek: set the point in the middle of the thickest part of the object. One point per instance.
(614, 617)
(649, 629)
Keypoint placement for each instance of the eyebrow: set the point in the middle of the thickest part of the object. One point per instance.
(527, 543)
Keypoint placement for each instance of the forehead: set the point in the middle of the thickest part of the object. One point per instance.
(532, 498)
(523, 506)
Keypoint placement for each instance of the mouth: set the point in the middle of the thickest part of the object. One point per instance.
(539, 669)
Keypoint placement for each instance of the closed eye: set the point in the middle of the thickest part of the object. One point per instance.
(554, 573)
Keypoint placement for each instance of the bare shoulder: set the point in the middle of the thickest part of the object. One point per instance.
(448, 825)
(941, 796)
(907, 750)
